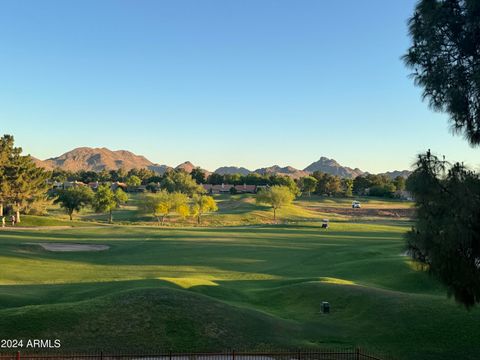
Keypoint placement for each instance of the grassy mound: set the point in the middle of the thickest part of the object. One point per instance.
(148, 320)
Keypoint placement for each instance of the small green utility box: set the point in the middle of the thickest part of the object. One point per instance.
(325, 307)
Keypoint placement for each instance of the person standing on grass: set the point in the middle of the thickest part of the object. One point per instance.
(12, 218)
(3, 221)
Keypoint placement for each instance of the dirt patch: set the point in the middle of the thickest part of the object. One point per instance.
(57, 247)
(395, 213)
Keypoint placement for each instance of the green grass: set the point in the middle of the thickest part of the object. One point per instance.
(42, 221)
(234, 210)
(215, 288)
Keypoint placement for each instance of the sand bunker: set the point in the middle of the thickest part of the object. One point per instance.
(57, 247)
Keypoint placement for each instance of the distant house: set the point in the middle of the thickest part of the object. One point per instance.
(119, 185)
(70, 184)
(57, 184)
(93, 185)
(246, 189)
(223, 188)
(227, 188)
(217, 189)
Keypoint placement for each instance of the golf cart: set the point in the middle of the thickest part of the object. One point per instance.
(356, 205)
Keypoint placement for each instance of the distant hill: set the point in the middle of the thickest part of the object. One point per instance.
(330, 166)
(160, 169)
(287, 170)
(98, 159)
(224, 170)
(187, 166)
(41, 163)
(395, 173)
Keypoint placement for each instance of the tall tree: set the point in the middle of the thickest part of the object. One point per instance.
(87, 176)
(347, 186)
(7, 151)
(281, 180)
(159, 205)
(255, 179)
(446, 236)
(104, 176)
(445, 58)
(215, 179)
(162, 203)
(198, 175)
(118, 175)
(327, 184)
(361, 184)
(74, 199)
(180, 181)
(307, 184)
(399, 183)
(201, 205)
(23, 183)
(180, 203)
(234, 179)
(107, 200)
(134, 180)
(385, 190)
(277, 197)
(61, 175)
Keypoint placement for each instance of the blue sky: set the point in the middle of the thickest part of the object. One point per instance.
(248, 83)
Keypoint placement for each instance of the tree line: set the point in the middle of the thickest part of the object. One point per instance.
(318, 183)
(160, 204)
(174, 192)
(365, 185)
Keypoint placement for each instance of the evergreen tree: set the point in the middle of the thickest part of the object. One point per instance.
(445, 59)
(444, 56)
(6, 151)
(446, 236)
(22, 183)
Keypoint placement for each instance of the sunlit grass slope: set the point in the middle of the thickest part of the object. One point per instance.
(234, 210)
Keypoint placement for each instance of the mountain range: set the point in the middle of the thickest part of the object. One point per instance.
(98, 159)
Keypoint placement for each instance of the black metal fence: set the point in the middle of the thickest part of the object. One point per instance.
(326, 354)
